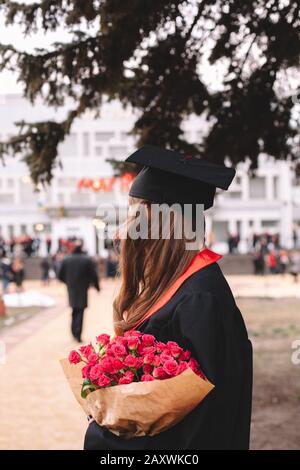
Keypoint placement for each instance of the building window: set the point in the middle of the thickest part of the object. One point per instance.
(80, 198)
(69, 148)
(67, 182)
(103, 136)
(257, 187)
(117, 152)
(60, 198)
(86, 143)
(269, 224)
(234, 195)
(220, 231)
(10, 182)
(98, 151)
(11, 231)
(276, 187)
(7, 198)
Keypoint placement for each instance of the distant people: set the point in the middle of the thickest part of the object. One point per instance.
(295, 237)
(6, 272)
(259, 263)
(255, 240)
(48, 244)
(18, 272)
(111, 263)
(45, 270)
(272, 262)
(233, 243)
(78, 271)
(295, 265)
(2, 247)
(283, 261)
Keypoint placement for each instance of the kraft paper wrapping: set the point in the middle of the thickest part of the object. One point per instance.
(140, 408)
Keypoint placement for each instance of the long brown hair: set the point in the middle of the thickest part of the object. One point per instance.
(147, 267)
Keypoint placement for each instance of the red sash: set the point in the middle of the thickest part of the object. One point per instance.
(202, 259)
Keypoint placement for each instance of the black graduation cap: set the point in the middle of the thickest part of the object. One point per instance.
(169, 177)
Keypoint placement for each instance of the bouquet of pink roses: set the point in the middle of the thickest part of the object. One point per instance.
(135, 385)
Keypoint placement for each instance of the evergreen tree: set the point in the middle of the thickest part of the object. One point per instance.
(152, 55)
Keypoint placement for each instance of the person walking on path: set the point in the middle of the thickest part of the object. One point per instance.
(18, 273)
(78, 271)
(45, 271)
(6, 272)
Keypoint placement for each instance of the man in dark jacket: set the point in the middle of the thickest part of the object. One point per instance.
(78, 272)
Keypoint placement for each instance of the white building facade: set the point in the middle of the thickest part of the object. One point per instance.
(269, 202)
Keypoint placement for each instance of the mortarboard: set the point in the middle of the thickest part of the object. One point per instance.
(169, 177)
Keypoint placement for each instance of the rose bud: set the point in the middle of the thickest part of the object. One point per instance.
(103, 339)
(74, 357)
(86, 350)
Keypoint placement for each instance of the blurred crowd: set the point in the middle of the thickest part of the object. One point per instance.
(13, 254)
(270, 257)
(23, 245)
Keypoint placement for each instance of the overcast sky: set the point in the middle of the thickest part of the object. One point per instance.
(13, 35)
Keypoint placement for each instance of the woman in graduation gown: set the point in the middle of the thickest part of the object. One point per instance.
(201, 314)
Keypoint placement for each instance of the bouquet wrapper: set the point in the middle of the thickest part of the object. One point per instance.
(140, 408)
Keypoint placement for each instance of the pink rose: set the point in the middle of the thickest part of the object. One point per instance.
(157, 361)
(165, 356)
(149, 350)
(148, 340)
(133, 342)
(131, 361)
(136, 333)
(147, 378)
(85, 371)
(170, 367)
(104, 381)
(103, 339)
(181, 368)
(86, 350)
(120, 340)
(107, 365)
(185, 355)
(159, 373)
(118, 349)
(127, 378)
(140, 350)
(147, 368)
(193, 364)
(174, 349)
(149, 358)
(74, 357)
(93, 358)
(117, 364)
(160, 346)
(95, 372)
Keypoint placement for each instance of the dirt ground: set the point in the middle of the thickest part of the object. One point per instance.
(38, 411)
(273, 325)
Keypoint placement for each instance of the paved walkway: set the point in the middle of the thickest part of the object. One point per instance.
(37, 409)
(273, 286)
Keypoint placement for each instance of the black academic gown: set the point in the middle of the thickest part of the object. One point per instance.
(202, 316)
